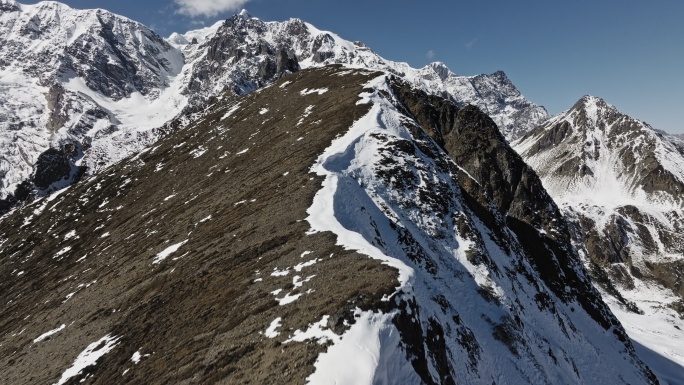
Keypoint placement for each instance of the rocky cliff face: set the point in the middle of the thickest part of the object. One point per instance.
(338, 226)
(620, 182)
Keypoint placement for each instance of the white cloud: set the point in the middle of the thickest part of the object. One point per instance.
(207, 8)
(430, 54)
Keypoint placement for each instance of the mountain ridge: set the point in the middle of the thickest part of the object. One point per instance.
(178, 270)
(414, 171)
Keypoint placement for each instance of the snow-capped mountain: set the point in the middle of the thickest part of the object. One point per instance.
(244, 53)
(310, 232)
(103, 83)
(622, 184)
(86, 79)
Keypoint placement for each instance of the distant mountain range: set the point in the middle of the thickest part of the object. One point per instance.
(106, 84)
(266, 202)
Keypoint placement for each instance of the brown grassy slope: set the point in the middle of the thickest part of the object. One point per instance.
(198, 316)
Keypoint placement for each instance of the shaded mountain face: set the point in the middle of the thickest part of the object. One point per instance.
(338, 226)
(106, 84)
(620, 182)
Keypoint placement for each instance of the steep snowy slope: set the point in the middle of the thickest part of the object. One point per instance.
(310, 232)
(621, 182)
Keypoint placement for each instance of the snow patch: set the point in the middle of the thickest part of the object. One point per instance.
(168, 251)
(307, 91)
(61, 253)
(287, 299)
(89, 357)
(47, 335)
(199, 151)
(367, 350)
(136, 357)
(231, 111)
(280, 273)
(271, 330)
(302, 265)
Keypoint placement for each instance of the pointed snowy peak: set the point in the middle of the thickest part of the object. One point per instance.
(440, 69)
(593, 112)
(501, 77)
(589, 100)
(590, 129)
(500, 80)
(242, 19)
(197, 36)
(244, 14)
(620, 181)
(594, 148)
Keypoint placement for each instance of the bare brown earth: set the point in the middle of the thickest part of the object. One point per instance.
(199, 315)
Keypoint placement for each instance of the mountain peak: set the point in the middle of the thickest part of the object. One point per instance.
(244, 14)
(592, 100)
(596, 110)
(501, 76)
(49, 5)
(440, 69)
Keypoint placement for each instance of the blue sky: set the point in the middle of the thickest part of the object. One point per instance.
(629, 52)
